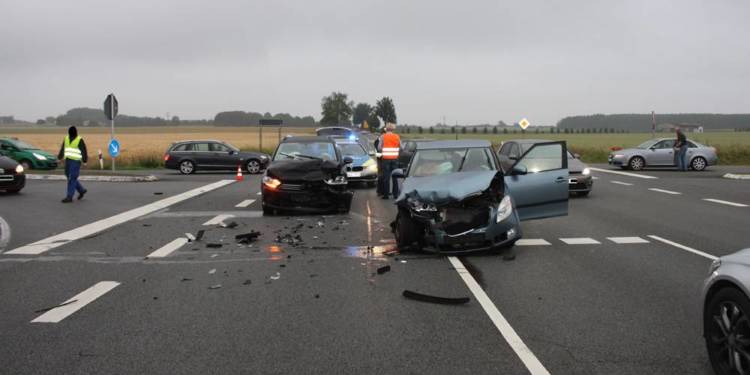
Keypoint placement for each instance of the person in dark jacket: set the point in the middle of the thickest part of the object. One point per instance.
(73, 152)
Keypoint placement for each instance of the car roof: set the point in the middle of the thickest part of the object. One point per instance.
(200, 140)
(307, 138)
(335, 127)
(466, 143)
(529, 141)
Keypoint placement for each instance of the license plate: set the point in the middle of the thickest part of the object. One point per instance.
(2, 171)
(353, 174)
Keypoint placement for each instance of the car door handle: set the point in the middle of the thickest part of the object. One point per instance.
(560, 180)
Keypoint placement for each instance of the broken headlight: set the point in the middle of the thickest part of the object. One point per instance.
(419, 206)
(504, 209)
(271, 183)
(338, 180)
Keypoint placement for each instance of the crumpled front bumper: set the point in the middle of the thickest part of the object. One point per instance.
(312, 200)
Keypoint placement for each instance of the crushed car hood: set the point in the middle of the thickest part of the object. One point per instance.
(446, 188)
(304, 170)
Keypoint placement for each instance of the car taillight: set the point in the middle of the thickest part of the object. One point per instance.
(166, 157)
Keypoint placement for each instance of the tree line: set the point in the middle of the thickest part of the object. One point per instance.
(338, 110)
(642, 122)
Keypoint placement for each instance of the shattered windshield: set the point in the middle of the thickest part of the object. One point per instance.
(444, 161)
(305, 150)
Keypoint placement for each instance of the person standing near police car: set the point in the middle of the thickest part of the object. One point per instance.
(388, 146)
(73, 153)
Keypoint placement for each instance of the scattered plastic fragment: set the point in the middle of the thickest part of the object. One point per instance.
(247, 238)
(230, 225)
(217, 286)
(214, 255)
(282, 265)
(214, 245)
(320, 224)
(313, 275)
(317, 296)
(186, 279)
(276, 276)
(56, 306)
(383, 269)
(434, 299)
(190, 237)
(155, 298)
(508, 257)
(158, 193)
(212, 271)
(403, 261)
(146, 225)
(199, 235)
(247, 282)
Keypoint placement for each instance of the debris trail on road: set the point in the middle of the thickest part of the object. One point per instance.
(434, 299)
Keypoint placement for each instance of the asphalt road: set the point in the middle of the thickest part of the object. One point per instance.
(608, 289)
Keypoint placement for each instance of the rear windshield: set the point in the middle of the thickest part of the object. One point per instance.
(352, 149)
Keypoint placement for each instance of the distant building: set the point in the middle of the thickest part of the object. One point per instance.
(667, 126)
(7, 120)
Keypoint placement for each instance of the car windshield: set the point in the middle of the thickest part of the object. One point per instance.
(646, 144)
(443, 161)
(305, 150)
(231, 147)
(352, 149)
(23, 145)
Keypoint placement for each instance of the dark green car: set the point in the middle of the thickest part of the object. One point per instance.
(28, 156)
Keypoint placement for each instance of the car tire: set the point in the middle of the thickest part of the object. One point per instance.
(27, 166)
(268, 211)
(407, 231)
(698, 163)
(253, 166)
(13, 191)
(727, 312)
(187, 167)
(637, 163)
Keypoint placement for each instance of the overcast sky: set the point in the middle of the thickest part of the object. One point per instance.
(470, 61)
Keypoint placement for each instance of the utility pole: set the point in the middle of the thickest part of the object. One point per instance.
(653, 124)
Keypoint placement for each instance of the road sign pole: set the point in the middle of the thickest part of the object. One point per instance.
(112, 127)
(260, 137)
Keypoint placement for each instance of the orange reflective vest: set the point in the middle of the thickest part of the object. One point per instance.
(390, 147)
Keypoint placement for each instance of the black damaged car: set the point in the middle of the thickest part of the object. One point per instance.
(306, 174)
(12, 177)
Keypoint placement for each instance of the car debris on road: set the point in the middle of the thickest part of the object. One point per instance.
(434, 299)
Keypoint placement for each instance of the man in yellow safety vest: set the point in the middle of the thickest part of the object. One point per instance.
(73, 152)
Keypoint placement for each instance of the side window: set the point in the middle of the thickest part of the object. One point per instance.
(505, 150)
(218, 147)
(477, 159)
(180, 148)
(691, 145)
(201, 147)
(669, 143)
(515, 151)
(543, 158)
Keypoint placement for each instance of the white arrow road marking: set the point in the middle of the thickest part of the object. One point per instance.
(76, 303)
(218, 219)
(627, 240)
(624, 173)
(665, 191)
(98, 226)
(245, 203)
(580, 241)
(532, 242)
(168, 248)
(683, 247)
(705, 199)
(509, 334)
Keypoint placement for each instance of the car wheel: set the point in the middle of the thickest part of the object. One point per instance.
(698, 164)
(253, 167)
(268, 211)
(637, 163)
(187, 167)
(726, 328)
(407, 231)
(26, 165)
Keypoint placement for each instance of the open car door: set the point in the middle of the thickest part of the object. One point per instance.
(538, 181)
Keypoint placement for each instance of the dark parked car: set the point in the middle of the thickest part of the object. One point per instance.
(307, 174)
(12, 175)
(190, 156)
(456, 198)
(29, 156)
(580, 181)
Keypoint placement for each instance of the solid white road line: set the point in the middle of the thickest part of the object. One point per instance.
(245, 203)
(625, 173)
(4, 234)
(81, 299)
(683, 247)
(621, 183)
(98, 226)
(509, 334)
(627, 240)
(218, 219)
(580, 241)
(532, 242)
(665, 191)
(705, 199)
(168, 248)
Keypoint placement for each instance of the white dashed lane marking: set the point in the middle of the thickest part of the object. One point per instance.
(168, 248)
(532, 242)
(218, 219)
(665, 191)
(78, 301)
(245, 203)
(580, 241)
(645, 176)
(621, 183)
(627, 240)
(719, 201)
(683, 247)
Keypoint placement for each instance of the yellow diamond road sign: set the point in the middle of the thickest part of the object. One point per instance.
(524, 123)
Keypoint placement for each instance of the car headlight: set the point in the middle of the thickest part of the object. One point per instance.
(263, 157)
(372, 168)
(338, 180)
(271, 183)
(39, 156)
(619, 156)
(714, 266)
(586, 172)
(19, 169)
(504, 209)
(419, 206)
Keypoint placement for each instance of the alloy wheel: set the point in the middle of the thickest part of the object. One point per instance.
(729, 337)
(698, 164)
(636, 163)
(187, 167)
(253, 167)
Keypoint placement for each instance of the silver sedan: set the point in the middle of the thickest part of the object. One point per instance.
(660, 153)
(726, 313)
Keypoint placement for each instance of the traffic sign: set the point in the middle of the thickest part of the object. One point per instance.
(110, 107)
(524, 123)
(271, 122)
(114, 148)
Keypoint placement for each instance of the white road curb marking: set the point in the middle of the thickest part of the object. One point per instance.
(81, 299)
(735, 176)
(627, 240)
(665, 191)
(683, 247)
(509, 334)
(98, 226)
(580, 241)
(168, 248)
(532, 242)
(245, 203)
(705, 199)
(625, 173)
(218, 219)
(621, 183)
(4, 234)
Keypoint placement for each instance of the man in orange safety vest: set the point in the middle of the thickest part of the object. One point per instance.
(389, 145)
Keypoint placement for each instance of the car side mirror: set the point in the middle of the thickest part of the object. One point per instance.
(231, 152)
(348, 160)
(577, 156)
(398, 173)
(520, 170)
